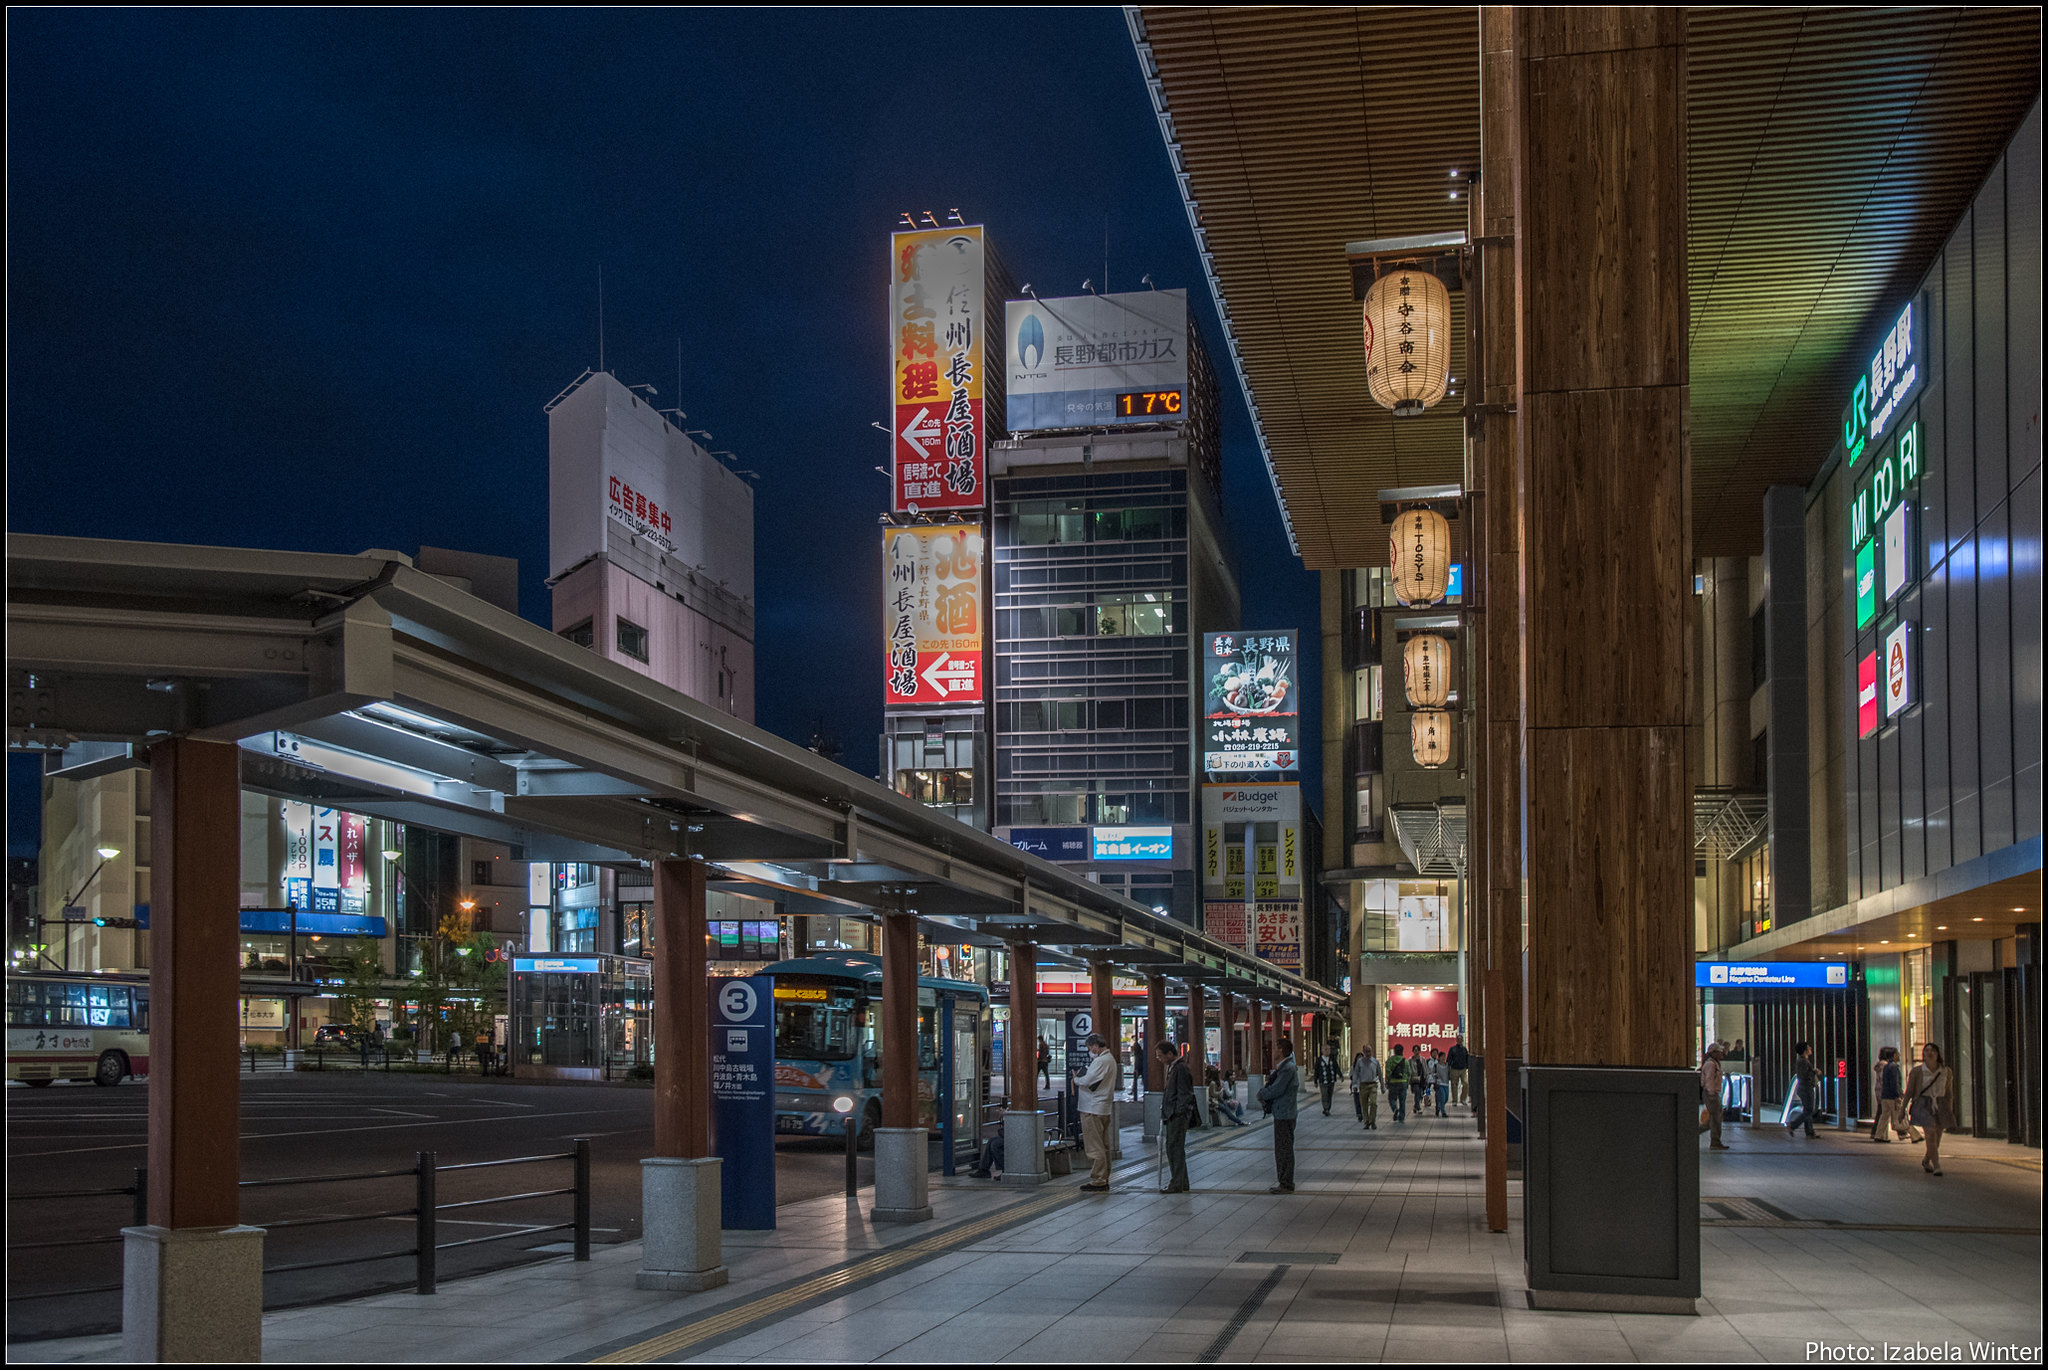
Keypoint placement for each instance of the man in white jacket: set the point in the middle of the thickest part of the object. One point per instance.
(1096, 1087)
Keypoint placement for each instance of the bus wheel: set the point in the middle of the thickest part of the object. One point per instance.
(870, 1119)
(113, 1065)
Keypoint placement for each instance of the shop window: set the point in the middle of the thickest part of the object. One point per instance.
(583, 635)
(937, 787)
(1365, 689)
(632, 640)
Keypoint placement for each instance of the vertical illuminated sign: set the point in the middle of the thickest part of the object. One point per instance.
(936, 320)
(326, 860)
(1866, 695)
(1866, 584)
(1897, 688)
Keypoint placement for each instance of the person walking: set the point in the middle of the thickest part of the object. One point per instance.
(1710, 1094)
(1044, 1062)
(1365, 1089)
(1137, 1064)
(1806, 1079)
(1418, 1079)
(1176, 1114)
(1930, 1103)
(1328, 1072)
(1441, 1071)
(1891, 1097)
(1460, 1062)
(1095, 1090)
(1397, 1083)
(1280, 1093)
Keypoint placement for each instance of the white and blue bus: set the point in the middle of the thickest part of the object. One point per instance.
(828, 1046)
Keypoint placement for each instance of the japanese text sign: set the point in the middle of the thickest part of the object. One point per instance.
(936, 320)
(1251, 713)
(932, 615)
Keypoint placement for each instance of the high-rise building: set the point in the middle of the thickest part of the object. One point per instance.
(650, 544)
(1109, 562)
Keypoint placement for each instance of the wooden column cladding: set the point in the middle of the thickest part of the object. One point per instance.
(1493, 812)
(899, 1019)
(682, 1011)
(1603, 469)
(194, 985)
(1021, 1050)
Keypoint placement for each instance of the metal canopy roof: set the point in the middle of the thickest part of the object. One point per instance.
(1830, 152)
(371, 685)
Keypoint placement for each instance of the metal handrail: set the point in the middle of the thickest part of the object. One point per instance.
(423, 1213)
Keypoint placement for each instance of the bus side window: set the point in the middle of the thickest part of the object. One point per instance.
(142, 1010)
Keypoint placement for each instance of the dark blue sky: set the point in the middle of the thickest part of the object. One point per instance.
(304, 279)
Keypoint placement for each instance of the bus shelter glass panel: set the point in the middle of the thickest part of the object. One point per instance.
(582, 1012)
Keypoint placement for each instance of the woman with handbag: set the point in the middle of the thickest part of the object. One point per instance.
(1930, 1103)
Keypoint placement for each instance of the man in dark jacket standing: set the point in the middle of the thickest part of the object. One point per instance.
(1176, 1111)
(1281, 1090)
(1327, 1073)
(1460, 1062)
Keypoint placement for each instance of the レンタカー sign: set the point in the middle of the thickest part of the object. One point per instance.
(936, 319)
(931, 584)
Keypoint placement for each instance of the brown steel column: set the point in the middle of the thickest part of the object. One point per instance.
(1022, 1048)
(682, 1022)
(899, 1020)
(1600, 205)
(1198, 1033)
(1496, 840)
(1255, 1062)
(1155, 1030)
(195, 984)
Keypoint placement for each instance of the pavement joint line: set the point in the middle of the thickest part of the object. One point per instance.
(739, 1318)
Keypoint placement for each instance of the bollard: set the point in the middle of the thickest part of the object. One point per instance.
(852, 1132)
(423, 1223)
(582, 1198)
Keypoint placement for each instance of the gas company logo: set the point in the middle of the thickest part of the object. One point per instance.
(1031, 342)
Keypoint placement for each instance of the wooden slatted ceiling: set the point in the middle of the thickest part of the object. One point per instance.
(1830, 152)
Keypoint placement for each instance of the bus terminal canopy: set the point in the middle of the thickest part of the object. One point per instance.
(363, 683)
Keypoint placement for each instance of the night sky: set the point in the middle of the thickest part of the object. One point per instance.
(303, 279)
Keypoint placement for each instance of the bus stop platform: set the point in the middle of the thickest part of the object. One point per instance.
(1381, 1254)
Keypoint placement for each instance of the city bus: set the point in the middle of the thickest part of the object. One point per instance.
(77, 1027)
(828, 1014)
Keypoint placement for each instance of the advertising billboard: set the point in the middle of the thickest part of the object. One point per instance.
(931, 587)
(1223, 920)
(1054, 844)
(1098, 361)
(1866, 695)
(1276, 926)
(1133, 844)
(1897, 688)
(936, 320)
(1251, 706)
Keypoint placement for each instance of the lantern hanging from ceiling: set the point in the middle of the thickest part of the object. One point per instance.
(1426, 666)
(1420, 556)
(1429, 731)
(1407, 340)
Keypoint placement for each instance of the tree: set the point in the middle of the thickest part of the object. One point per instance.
(362, 985)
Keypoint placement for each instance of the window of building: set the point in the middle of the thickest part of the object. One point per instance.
(937, 787)
(582, 634)
(1365, 821)
(632, 640)
(479, 872)
(1365, 690)
(1028, 810)
(1146, 614)
(1039, 523)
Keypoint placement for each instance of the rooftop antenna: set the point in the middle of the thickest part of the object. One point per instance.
(600, 316)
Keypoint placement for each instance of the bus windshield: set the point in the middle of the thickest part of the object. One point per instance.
(51, 1003)
(815, 1023)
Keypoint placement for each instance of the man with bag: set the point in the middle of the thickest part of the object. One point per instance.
(1397, 1083)
(1096, 1088)
(1176, 1113)
(1280, 1096)
(1806, 1077)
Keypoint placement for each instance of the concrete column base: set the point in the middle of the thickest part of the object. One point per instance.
(1024, 1147)
(902, 1179)
(1202, 1106)
(192, 1294)
(1151, 1129)
(1253, 1083)
(681, 1208)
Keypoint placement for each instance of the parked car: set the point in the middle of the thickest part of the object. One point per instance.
(334, 1034)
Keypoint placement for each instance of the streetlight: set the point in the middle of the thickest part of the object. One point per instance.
(105, 854)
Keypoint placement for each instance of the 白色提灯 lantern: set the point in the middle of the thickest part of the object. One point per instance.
(1407, 340)
(1419, 556)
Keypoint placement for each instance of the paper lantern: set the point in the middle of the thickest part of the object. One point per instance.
(1429, 731)
(1427, 668)
(1407, 340)
(1419, 556)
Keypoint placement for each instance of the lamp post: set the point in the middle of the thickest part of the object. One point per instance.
(105, 854)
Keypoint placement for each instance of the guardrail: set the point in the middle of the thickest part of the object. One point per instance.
(424, 1213)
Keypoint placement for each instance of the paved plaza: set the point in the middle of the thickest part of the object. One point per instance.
(1381, 1254)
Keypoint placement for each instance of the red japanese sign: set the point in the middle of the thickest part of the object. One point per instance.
(1426, 1018)
(936, 316)
(931, 587)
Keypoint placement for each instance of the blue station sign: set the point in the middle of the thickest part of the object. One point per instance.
(1054, 844)
(1771, 975)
